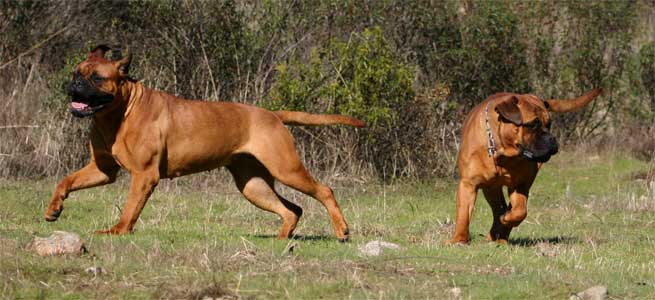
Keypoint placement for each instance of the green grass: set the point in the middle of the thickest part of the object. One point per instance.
(589, 214)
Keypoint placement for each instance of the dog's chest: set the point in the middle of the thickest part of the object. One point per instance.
(136, 151)
(117, 154)
(513, 177)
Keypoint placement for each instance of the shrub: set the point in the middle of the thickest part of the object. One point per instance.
(360, 77)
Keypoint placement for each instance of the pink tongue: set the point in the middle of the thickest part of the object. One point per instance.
(78, 105)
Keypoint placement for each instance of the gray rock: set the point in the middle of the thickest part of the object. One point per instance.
(376, 248)
(598, 292)
(547, 249)
(456, 293)
(95, 270)
(60, 242)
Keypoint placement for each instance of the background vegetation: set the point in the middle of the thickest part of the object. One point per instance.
(411, 69)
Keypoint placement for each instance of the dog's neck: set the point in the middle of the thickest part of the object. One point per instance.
(134, 94)
(108, 121)
(497, 146)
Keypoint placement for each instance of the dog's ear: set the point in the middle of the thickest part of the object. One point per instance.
(99, 51)
(509, 111)
(123, 65)
(571, 105)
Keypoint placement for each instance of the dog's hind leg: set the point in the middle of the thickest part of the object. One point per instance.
(300, 180)
(257, 185)
(274, 148)
(498, 232)
(290, 171)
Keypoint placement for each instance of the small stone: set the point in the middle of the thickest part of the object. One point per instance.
(598, 292)
(547, 249)
(375, 248)
(60, 242)
(456, 293)
(95, 270)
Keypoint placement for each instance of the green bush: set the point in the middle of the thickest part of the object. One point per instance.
(360, 77)
(492, 57)
(474, 50)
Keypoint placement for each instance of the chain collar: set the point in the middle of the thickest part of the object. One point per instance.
(491, 144)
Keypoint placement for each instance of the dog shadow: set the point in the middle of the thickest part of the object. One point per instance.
(296, 237)
(531, 242)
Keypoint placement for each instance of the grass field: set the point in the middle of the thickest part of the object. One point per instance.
(591, 221)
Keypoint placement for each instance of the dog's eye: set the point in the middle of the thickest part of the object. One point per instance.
(534, 125)
(97, 79)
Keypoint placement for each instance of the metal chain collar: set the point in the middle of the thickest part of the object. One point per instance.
(491, 144)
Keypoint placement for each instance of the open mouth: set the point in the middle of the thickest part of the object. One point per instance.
(80, 109)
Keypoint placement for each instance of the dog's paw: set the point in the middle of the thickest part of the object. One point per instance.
(344, 236)
(114, 231)
(456, 241)
(52, 214)
(497, 240)
(499, 234)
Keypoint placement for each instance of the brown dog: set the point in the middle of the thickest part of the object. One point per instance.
(154, 135)
(505, 140)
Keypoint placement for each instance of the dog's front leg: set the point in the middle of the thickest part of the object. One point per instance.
(89, 176)
(518, 208)
(141, 187)
(466, 194)
(498, 232)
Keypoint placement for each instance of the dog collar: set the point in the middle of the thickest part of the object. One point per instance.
(491, 144)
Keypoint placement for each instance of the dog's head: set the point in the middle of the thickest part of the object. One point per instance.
(96, 82)
(525, 123)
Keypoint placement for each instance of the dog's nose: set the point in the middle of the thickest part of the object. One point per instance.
(77, 85)
(74, 87)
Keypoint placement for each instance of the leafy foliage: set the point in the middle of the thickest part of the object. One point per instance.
(359, 77)
(411, 69)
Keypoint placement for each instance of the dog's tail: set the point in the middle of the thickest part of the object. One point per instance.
(298, 118)
(572, 105)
